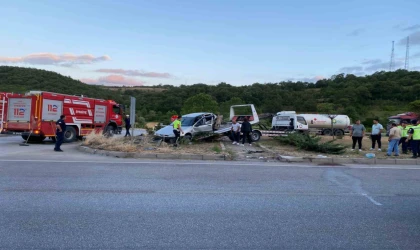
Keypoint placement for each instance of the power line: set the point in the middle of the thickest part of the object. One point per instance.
(407, 54)
(391, 64)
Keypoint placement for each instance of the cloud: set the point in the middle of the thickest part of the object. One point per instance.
(384, 66)
(371, 61)
(53, 59)
(416, 55)
(414, 39)
(372, 65)
(356, 32)
(351, 69)
(415, 68)
(306, 79)
(135, 73)
(411, 28)
(114, 80)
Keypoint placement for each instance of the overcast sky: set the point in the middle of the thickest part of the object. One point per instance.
(135, 42)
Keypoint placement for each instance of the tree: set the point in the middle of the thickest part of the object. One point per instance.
(225, 106)
(415, 106)
(200, 103)
(327, 108)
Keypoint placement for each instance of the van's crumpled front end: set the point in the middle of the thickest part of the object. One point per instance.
(165, 132)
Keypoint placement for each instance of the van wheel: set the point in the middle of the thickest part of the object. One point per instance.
(70, 134)
(187, 137)
(171, 141)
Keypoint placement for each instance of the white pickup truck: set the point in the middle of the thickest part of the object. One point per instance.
(205, 124)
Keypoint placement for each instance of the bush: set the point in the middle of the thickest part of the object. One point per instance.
(99, 141)
(311, 143)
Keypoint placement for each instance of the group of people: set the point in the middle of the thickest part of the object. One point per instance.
(404, 134)
(245, 129)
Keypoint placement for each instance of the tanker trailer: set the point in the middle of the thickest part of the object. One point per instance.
(322, 123)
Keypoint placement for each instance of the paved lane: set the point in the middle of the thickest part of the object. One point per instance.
(158, 205)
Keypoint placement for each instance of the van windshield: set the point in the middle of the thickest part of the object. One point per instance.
(187, 121)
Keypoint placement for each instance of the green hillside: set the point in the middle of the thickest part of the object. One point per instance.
(378, 95)
(21, 80)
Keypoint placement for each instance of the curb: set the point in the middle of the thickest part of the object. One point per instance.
(340, 161)
(117, 154)
(280, 158)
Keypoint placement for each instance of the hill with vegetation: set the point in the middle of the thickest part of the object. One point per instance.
(21, 80)
(374, 96)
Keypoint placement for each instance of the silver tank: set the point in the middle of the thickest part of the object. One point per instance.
(323, 121)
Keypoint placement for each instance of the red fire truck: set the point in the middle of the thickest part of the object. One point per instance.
(33, 115)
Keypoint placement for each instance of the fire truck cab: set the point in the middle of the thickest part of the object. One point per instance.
(34, 115)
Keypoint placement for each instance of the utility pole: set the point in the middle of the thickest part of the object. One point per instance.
(391, 64)
(332, 116)
(407, 54)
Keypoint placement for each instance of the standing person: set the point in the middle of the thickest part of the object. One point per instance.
(246, 130)
(60, 129)
(403, 141)
(236, 130)
(357, 133)
(177, 130)
(414, 136)
(127, 125)
(376, 134)
(394, 138)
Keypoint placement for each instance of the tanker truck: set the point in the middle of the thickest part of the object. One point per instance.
(319, 123)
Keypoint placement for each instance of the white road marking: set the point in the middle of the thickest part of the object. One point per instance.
(230, 163)
(372, 200)
(349, 182)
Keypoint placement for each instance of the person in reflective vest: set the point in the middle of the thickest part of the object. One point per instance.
(404, 133)
(177, 130)
(414, 136)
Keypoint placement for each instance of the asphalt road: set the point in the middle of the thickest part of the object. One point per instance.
(80, 201)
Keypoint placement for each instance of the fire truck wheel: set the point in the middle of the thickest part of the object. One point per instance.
(110, 130)
(33, 139)
(70, 134)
